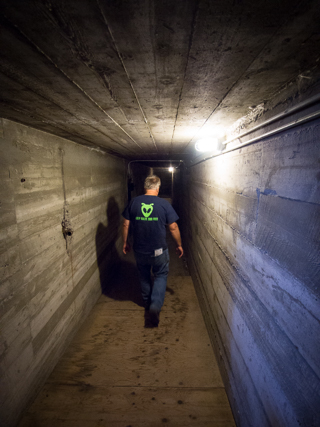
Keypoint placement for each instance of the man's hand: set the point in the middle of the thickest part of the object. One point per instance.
(125, 230)
(126, 248)
(179, 251)
(175, 233)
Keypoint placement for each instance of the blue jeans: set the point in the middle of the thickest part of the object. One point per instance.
(153, 296)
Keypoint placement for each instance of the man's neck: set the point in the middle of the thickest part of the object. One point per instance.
(151, 192)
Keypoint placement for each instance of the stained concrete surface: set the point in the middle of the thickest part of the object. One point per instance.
(49, 282)
(118, 373)
(252, 227)
(145, 78)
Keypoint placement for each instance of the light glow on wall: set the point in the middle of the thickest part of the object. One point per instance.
(212, 131)
(210, 138)
(207, 144)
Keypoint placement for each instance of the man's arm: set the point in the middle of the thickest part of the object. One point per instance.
(175, 233)
(125, 231)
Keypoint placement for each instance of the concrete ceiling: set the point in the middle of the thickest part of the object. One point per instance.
(145, 79)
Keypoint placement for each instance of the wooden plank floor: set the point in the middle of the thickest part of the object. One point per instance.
(117, 373)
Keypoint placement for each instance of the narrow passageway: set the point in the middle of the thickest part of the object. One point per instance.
(118, 373)
(221, 100)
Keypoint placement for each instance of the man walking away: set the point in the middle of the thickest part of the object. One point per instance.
(149, 215)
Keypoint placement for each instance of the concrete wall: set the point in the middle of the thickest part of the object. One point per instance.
(50, 275)
(251, 228)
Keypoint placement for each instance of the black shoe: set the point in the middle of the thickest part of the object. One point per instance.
(154, 317)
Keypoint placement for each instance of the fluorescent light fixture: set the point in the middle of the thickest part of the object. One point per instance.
(207, 144)
(170, 169)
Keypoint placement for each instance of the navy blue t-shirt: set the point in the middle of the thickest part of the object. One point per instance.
(149, 216)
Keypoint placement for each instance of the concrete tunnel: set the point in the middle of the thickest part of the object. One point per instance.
(96, 95)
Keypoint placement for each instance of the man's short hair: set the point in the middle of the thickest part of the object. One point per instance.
(152, 182)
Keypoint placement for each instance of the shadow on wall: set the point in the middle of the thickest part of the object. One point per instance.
(118, 277)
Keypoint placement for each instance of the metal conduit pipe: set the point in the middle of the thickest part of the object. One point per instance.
(285, 113)
(257, 138)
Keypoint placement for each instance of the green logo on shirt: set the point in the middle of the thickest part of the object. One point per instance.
(146, 209)
(146, 212)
